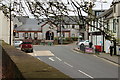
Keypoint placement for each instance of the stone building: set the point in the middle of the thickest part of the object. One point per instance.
(112, 19)
(33, 29)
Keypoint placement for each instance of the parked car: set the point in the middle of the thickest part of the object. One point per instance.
(27, 46)
(17, 43)
(83, 42)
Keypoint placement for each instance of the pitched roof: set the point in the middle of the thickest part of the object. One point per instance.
(29, 25)
(67, 20)
(108, 13)
(114, 1)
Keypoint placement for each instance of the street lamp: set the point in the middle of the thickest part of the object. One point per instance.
(10, 23)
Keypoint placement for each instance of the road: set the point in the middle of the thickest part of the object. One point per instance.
(76, 65)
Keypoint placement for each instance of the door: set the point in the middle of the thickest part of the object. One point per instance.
(49, 35)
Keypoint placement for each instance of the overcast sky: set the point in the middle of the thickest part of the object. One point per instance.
(104, 5)
(99, 5)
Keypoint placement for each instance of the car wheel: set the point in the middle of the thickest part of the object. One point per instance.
(82, 44)
(32, 50)
(22, 50)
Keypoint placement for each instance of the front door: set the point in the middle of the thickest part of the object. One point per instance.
(49, 35)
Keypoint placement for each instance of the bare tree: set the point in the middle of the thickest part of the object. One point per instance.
(58, 10)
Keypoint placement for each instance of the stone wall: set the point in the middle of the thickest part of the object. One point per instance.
(17, 65)
(9, 69)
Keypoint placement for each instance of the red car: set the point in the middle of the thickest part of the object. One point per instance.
(27, 46)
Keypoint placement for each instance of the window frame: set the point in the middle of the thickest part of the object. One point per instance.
(114, 25)
(16, 34)
(25, 35)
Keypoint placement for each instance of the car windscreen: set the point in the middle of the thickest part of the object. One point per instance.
(27, 43)
(82, 41)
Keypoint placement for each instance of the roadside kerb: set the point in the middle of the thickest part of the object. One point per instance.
(99, 55)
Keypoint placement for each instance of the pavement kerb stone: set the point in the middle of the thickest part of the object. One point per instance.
(98, 55)
(76, 49)
(109, 60)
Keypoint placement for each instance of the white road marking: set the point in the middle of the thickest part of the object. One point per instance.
(35, 54)
(59, 59)
(85, 74)
(107, 61)
(51, 59)
(68, 64)
(39, 59)
(19, 48)
(44, 53)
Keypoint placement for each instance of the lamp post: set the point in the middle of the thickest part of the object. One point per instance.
(10, 23)
(60, 38)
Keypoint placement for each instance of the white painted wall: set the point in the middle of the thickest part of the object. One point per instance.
(1, 17)
(75, 32)
(5, 28)
(46, 28)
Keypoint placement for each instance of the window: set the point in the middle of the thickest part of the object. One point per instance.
(35, 36)
(73, 35)
(97, 23)
(114, 9)
(94, 25)
(73, 26)
(16, 35)
(63, 35)
(30, 36)
(67, 26)
(63, 27)
(114, 25)
(108, 24)
(26, 35)
(91, 28)
(15, 26)
(97, 13)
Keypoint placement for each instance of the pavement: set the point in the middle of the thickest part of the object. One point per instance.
(115, 59)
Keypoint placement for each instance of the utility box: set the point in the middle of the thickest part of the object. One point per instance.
(98, 48)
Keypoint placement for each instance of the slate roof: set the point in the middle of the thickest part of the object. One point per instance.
(107, 13)
(29, 25)
(71, 20)
(114, 1)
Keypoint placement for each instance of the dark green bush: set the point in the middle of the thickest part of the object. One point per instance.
(74, 38)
